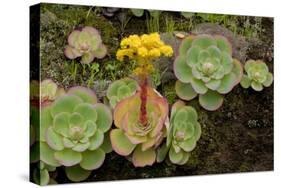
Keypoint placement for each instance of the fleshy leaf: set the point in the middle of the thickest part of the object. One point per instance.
(54, 140)
(96, 140)
(197, 132)
(71, 52)
(185, 158)
(80, 147)
(191, 114)
(123, 91)
(182, 70)
(175, 157)
(45, 121)
(214, 52)
(68, 157)
(185, 91)
(223, 44)
(47, 155)
(91, 128)
(41, 177)
(248, 64)
(68, 143)
(76, 173)
(104, 120)
(211, 100)
(204, 41)
(120, 143)
(143, 158)
(227, 83)
(245, 82)
(61, 124)
(237, 70)
(113, 88)
(86, 94)
(256, 86)
(198, 86)
(227, 63)
(106, 145)
(100, 52)
(92, 159)
(137, 12)
(213, 84)
(185, 45)
(188, 145)
(65, 103)
(162, 152)
(269, 80)
(87, 111)
(76, 119)
(192, 56)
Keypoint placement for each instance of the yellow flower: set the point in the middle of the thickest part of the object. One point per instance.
(120, 55)
(155, 52)
(166, 50)
(142, 51)
(125, 43)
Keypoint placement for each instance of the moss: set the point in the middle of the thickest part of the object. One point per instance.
(168, 91)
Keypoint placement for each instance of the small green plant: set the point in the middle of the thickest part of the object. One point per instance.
(72, 133)
(112, 68)
(124, 18)
(94, 70)
(121, 89)
(41, 174)
(183, 133)
(187, 15)
(49, 91)
(257, 75)
(170, 24)
(85, 43)
(137, 12)
(140, 12)
(213, 18)
(152, 21)
(205, 66)
(109, 11)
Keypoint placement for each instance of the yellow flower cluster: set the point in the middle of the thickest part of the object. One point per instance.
(144, 49)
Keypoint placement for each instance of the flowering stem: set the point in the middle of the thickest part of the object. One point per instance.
(143, 96)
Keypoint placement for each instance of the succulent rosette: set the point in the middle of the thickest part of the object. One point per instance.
(85, 43)
(131, 135)
(41, 174)
(183, 134)
(257, 75)
(121, 89)
(49, 91)
(73, 132)
(205, 67)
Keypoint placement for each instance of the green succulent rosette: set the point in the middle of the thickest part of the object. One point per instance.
(73, 133)
(182, 136)
(41, 174)
(121, 89)
(85, 43)
(49, 91)
(257, 75)
(205, 67)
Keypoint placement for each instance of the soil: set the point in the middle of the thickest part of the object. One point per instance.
(238, 137)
